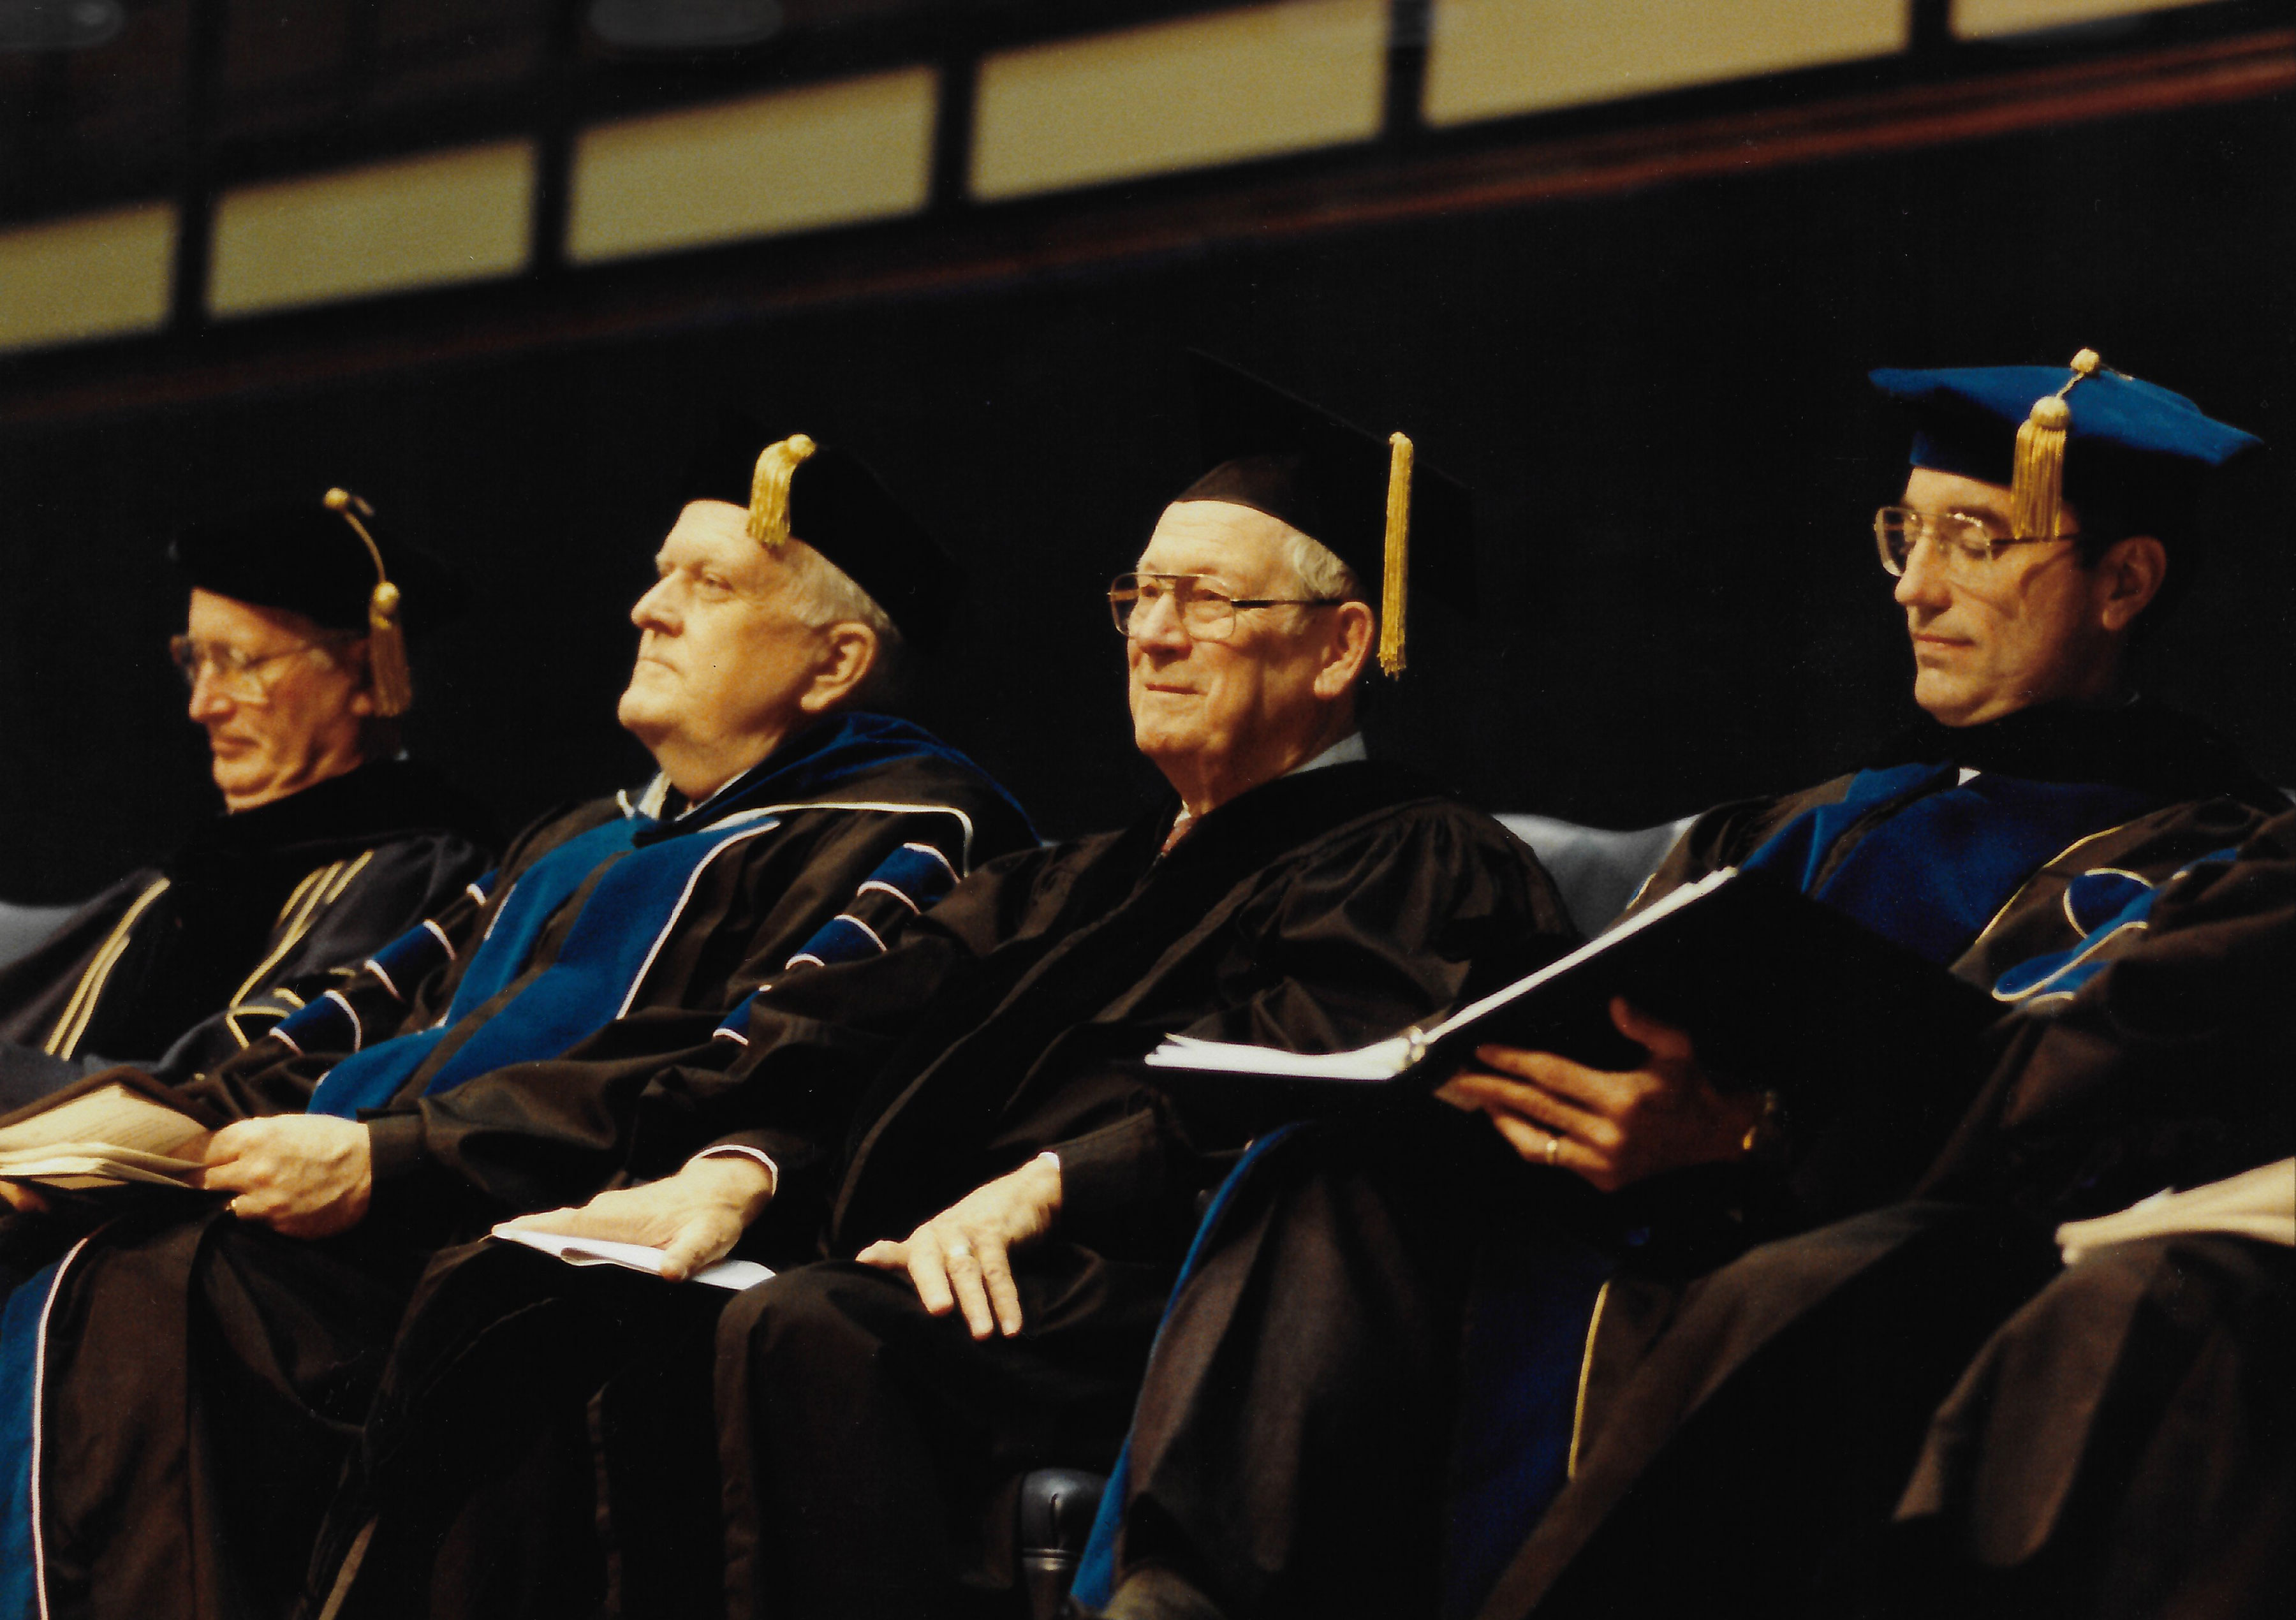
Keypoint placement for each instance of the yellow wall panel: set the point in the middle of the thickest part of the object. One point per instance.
(1493, 58)
(1250, 83)
(98, 275)
(795, 161)
(1976, 18)
(421, 222)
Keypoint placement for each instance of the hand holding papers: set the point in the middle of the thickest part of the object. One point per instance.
(1611, 1127)
(682, 1222)
(115, 1129)
(731, 1274)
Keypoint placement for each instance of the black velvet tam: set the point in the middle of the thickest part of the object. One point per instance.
(838, 507)
(306, 557)
(1300, 464)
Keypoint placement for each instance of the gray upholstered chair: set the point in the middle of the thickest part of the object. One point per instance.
(1598, 870)
(22, 926)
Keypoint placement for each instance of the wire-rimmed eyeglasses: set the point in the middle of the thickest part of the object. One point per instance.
(1205, 614)
(1963, 544)
(237, 673)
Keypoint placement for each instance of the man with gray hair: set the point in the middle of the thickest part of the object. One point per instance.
(332, 844)
(977, 1195)
(200, 1374)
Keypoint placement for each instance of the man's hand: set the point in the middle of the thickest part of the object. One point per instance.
(1613, 1129)
(694, 1217)
(21, 1198)
(961, 1258)
(304, 1175)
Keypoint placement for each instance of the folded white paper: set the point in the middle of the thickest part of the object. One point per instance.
(2258, 1204)
(733, 1275)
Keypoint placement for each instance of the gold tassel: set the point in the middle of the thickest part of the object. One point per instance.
(386, 644)
(1396, 564)
(770, 490)
(2036, 482)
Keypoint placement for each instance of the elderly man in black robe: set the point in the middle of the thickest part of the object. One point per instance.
(178, 1390)
(979, 1196)
(332, 842)
(1403, 1337)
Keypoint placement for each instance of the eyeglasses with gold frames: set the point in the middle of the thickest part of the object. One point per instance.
(1967, 546)
(237, 673)
(1205, 614)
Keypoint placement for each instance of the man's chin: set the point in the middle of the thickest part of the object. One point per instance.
(642, 714)
(1952, 705)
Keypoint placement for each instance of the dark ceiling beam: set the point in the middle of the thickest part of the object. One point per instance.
(958, 249)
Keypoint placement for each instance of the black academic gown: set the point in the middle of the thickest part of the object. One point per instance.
(179, 966)
(201, 1379)
(1343, 1277)
(1918, 1411)
(869, 1451)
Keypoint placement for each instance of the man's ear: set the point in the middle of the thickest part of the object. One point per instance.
(2129, 576)
(1348, 650)
(849, 652)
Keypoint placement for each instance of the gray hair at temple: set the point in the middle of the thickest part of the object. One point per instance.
(824, 594)
(1319, 571)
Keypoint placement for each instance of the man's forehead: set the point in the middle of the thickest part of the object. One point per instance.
(717, 530)
(1215, 537)
(217, 616)
(1929, 490)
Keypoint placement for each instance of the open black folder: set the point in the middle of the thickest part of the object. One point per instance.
(1777, 991)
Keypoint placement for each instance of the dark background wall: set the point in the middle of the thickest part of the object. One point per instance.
(1658, 397)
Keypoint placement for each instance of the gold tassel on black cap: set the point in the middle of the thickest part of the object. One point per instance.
(770, 490)
(2037, 484)
(1397, 563)
(386, 646)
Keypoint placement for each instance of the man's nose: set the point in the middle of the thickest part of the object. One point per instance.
(1924, 583)
(655, 611)
(1156, 623)
(208, 700)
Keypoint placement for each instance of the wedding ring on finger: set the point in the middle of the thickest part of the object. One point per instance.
(1554, 1147)
(957, 1249)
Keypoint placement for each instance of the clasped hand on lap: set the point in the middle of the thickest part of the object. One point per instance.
(962, 1259)
(1612, 1128)
(304, 1175)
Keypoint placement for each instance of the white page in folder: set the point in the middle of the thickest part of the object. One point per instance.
(732, 1275)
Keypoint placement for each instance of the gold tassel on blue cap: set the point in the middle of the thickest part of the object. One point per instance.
(1396, 564)
(769, 489)
(386, 645)
(2037, 484)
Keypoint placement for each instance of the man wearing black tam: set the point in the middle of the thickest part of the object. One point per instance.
(333, 843)
(1400, 1348)
(199, 1375)
(977, 1194)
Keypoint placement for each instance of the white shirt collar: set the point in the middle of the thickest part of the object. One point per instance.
(1347, 750)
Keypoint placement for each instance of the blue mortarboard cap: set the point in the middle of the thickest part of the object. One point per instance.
(2129, 453)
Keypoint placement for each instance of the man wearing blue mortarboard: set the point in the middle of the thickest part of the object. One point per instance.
(1636, 1343)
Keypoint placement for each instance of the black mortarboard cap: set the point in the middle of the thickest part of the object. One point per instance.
(320, 558)
(827, 496)
(1335, 483)
(2131, 455)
